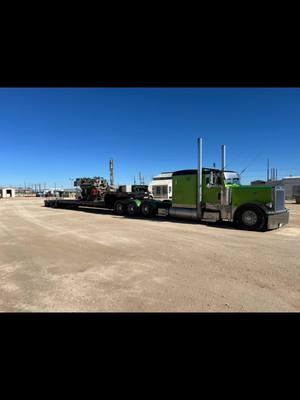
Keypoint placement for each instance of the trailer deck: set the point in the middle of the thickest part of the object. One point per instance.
(55, 203)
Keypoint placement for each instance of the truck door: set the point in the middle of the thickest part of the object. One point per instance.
(212, 190)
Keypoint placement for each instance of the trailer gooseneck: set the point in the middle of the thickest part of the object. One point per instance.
(203, 194)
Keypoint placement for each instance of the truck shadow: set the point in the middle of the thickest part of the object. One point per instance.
(159, 219)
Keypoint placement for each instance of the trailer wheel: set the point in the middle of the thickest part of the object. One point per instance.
(119, 208)
(251, 218)
(132, 209)
(147, 210)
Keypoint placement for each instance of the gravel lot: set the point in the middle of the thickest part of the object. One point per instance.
(68, 260)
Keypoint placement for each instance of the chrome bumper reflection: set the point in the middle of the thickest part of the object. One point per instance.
(278, 219)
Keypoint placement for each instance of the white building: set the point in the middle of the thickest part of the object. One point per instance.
(7, 192)
(161, 186)
(291, 186)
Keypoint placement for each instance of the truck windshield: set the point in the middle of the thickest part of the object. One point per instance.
(231, 178)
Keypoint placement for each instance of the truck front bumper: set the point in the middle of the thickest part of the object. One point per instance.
(276, 220)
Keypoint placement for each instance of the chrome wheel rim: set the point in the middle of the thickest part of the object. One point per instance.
(249, 218)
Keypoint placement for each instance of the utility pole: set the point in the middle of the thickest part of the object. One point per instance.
(268, 170)
(140, 178)
(111, 171)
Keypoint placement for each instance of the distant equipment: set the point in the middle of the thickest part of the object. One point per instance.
(97, 189)
(92, 188)
(133, 188)
(272, 174)
(141, 179)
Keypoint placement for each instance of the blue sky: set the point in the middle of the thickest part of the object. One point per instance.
(52, 135)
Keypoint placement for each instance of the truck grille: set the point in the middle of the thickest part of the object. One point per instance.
(278, 199)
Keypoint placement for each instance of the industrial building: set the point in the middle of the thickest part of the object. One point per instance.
(7, 192)
(71, 193)
(21, 192)
(291, 185)
(161, 186)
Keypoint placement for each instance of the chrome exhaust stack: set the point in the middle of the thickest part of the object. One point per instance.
(223, 160)
(199, 180)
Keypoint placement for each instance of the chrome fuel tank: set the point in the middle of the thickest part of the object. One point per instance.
(179, 212)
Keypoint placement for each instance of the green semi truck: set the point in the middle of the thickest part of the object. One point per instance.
(203, 194)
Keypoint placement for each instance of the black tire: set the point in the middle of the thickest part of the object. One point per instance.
(119, 208)
(251, 218)
(132, 209)
(147, 210)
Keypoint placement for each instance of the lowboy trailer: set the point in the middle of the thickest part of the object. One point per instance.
(203, 194)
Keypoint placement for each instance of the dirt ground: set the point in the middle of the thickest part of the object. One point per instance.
(68, 260)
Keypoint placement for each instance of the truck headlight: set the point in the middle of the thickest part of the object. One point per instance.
(269, 205)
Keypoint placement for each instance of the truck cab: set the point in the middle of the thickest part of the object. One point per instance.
(225, 198)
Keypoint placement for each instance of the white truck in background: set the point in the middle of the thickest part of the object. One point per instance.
(161, 186)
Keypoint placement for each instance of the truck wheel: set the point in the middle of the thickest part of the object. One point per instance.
(132, 209)
(251, 218)
(119, 208)
(147, 210)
